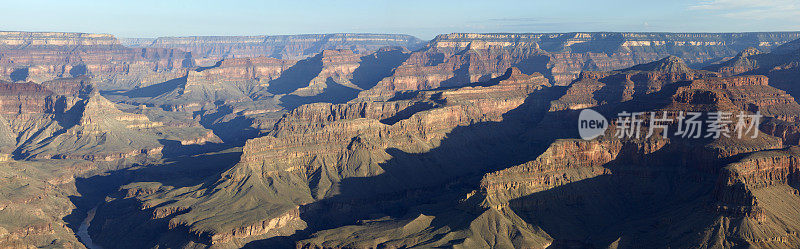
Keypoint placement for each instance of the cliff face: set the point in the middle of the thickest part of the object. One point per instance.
(575, 184)
(213, 48)
(39, 57)
(460, 58)
(757, 192)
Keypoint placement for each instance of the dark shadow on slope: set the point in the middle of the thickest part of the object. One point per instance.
(297, 76)
(277, 242)
(404, 95)
(184, 167)
(786, 80)
(633, 202)
(407, 95)
(234, 131)
(494, 81)
(156, 90)
(334, 93)
(374, 67)
(434, 59)
(65, 118)
(174, 149)
(536, 64)
(460, 77)
(408, 112)
(612, 89)
(78, 70)
(216, 65)
(19, 74)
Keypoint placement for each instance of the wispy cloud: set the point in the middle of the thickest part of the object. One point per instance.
(742, 4)
(751, 9)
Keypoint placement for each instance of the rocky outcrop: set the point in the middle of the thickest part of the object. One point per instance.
(487, 162)
(739, 64)
(241, 98)
(564, 162)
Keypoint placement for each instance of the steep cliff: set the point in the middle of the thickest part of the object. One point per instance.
(466, 143)
(757, 196)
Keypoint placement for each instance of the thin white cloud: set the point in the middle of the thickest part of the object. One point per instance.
(751, 9)
(746, 4)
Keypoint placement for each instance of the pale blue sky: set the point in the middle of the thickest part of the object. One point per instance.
(422, 18)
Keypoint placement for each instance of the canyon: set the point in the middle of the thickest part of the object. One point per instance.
(387, 141)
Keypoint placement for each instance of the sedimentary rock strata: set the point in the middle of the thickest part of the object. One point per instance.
(39, 57)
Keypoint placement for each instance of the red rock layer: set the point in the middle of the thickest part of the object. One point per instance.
(45, 56)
